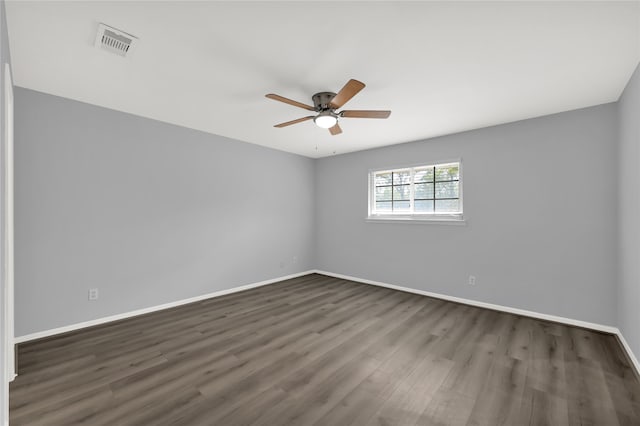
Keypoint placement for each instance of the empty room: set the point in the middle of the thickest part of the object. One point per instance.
(319, 213)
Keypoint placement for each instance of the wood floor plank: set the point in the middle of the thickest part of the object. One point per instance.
(322, 351)
(406, 403)
(499, 402)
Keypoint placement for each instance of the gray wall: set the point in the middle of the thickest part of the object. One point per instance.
(541, 204)
(146, 212)
(4, 58)
(629, 214)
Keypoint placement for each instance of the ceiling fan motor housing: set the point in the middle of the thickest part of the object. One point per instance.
(322, 100)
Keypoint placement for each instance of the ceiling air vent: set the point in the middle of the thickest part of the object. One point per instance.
(115, 41)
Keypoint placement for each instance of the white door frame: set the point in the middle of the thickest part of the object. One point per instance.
(8, 226)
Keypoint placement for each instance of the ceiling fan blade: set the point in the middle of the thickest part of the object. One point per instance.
(299, 120)
(289, 101)
(347, 92)
(365, 114)
(335, 130)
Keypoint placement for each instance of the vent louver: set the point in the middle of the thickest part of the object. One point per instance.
(115, 41)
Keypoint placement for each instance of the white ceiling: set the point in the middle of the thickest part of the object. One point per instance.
(441, 67)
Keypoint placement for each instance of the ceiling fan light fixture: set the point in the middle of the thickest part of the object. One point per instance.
(325, 120)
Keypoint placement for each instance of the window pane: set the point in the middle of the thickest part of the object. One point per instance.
(423, 190)
(424, 206)
(444, 206)
(447, 189)
(383, 178)
(383, 193)
(423, 175)
(402, 192)
(447, 172)
(401, 177)
(383, 207)
(401, 206)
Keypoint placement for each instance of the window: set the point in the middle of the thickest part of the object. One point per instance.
(422, 192)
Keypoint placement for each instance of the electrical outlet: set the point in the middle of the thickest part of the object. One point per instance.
(472, 280)
(294, 260)
(93, 294)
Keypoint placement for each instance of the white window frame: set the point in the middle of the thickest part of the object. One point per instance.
(395, 217)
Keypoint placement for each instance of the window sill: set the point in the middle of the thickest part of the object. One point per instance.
(418, 220)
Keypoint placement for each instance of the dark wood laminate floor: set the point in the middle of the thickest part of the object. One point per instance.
(322, 351)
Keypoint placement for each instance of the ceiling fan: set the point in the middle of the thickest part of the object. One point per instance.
(325, 105)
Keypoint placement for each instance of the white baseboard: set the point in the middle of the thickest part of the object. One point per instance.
(523, 312)
(630, 353)
(104, 320)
